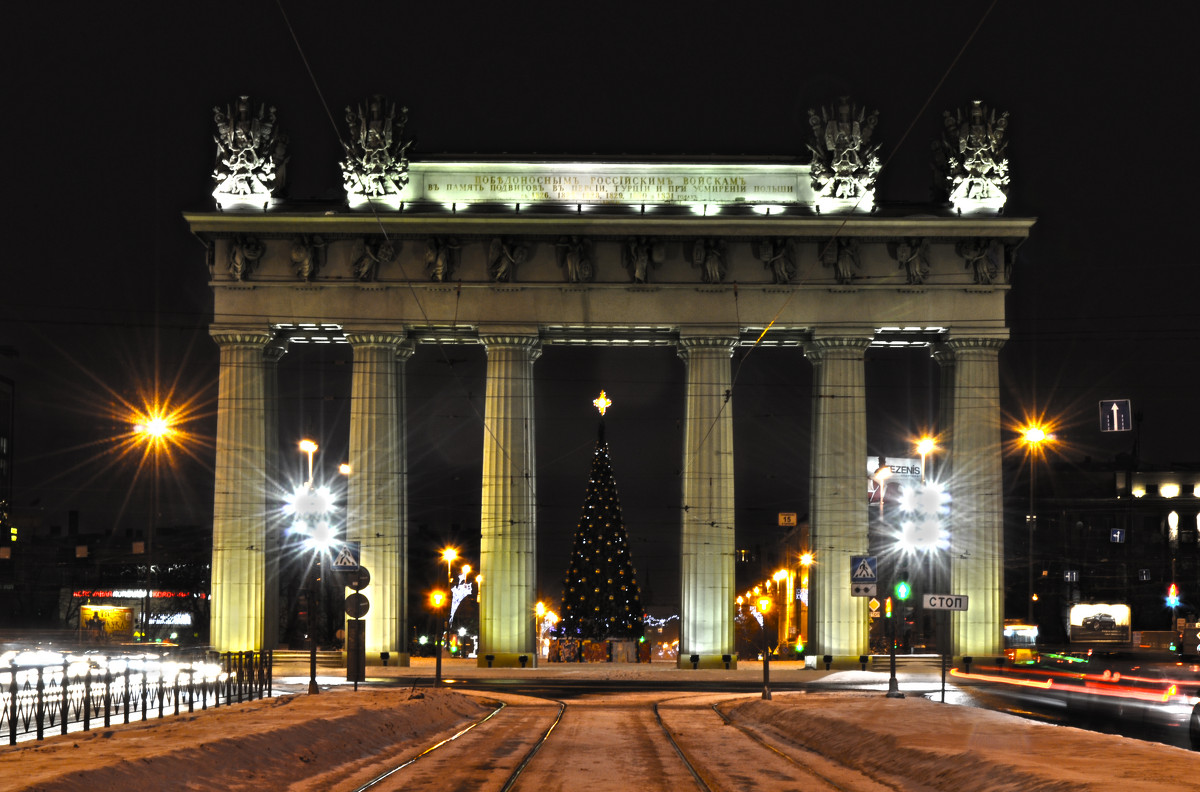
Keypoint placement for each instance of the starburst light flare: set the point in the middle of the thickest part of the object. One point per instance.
(602, 402)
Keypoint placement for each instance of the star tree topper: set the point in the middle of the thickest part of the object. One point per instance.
(602, 403)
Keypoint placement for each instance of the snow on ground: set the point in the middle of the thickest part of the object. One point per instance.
(272, 743)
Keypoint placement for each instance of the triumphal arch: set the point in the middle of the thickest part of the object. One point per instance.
(519, 254)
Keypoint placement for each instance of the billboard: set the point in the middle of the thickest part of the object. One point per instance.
(1100, 623)
(105, 623)
(901, 472)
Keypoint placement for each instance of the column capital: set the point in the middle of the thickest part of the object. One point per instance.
(989, 343)
(369, 338)
(531, 343)
(687, 344)
(850, 344)
(240, 336)
(406, 350)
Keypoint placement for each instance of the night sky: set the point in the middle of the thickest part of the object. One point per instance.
(111, 129)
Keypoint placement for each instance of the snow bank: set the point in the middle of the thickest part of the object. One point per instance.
(952, 748)
(252, 746)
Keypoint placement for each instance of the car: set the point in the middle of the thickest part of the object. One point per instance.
(1100, 621)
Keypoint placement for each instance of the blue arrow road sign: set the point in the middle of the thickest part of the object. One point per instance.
(1115, 416)
(1117, 535)
(864, 569)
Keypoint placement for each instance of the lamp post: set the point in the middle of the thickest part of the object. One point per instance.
(438, 600)
(539, 612)
(1033, 436)
(154, 432)
(314, 609)
(764, 607)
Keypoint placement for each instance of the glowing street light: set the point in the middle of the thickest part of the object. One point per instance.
(925, 446)
(154, 430)
(1033, 437)
(310, 448)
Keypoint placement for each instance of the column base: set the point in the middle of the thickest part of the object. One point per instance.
(697, 661)
(507, 660)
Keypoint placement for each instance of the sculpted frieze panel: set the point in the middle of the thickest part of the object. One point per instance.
(504, 255)
(306, 255)
(912, 255)
(244, 252)
(708, 255)
(984, 258)
(372, 253)
(784, 262)
(574, 259)
(778, 255)
(641, 255)
(840, 255)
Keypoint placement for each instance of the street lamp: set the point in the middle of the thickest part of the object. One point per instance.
(154, 430)
(438, 600)
(1032, 437)
(539, 611)
(764, 607)
(925, 446)
(310, 448)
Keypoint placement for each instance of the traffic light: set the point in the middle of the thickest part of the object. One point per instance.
(1173, 596)
(887, 607)
(903, 588)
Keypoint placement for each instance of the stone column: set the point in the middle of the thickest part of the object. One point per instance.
(276, 489)
(239, 502)
(707, 580)
(976, 496)
(838, 493)
(375, 489)
(508, 529)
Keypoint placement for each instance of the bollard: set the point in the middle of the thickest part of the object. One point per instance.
(87, 698)
(12, 702)
(828, 661)
(862, 660)
(967, 664)
(107, 697)
(66, 702)
(727, 659)
(489, 659)
(1000, 664)
(385, 656)
(695, 661)
(523, 659)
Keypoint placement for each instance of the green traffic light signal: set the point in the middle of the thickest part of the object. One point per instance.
(903, 590)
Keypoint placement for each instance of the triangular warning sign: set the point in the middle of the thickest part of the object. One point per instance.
(864, 571)
(345, 558)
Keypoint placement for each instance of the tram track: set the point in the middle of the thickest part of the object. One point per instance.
(664, 743)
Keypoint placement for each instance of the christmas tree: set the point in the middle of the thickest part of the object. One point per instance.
(600, 598)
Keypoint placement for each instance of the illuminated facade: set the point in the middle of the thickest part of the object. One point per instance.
(519, 255)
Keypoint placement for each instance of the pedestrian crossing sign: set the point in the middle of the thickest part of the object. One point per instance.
(864, 569)
(347, 557)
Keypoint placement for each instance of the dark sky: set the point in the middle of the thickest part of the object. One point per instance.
(111, 140)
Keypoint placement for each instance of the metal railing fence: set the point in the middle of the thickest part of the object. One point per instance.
(43, 692)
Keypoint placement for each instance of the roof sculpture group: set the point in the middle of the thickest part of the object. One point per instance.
(969, 161)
